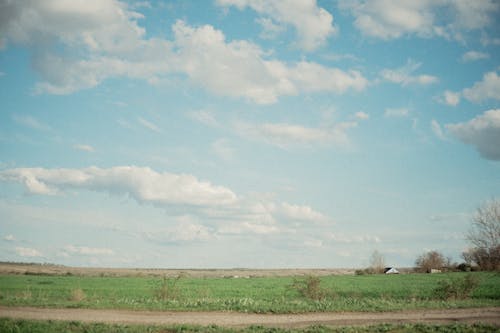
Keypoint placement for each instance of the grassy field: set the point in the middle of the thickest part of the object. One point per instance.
(31, 326)
(260, 295)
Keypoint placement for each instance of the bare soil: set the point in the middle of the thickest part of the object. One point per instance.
(232, 319)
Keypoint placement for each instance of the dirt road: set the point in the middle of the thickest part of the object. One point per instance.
(233, 319)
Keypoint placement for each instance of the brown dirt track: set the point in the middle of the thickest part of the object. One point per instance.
(233, 319)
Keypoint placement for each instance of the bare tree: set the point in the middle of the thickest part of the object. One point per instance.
(484, 235)
(430, 260)
(377, 262)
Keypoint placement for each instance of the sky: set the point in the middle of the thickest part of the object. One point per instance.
(245, 133)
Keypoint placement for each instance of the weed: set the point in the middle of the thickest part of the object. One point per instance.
(77, 295)
(456, 288)
(168, 289)
(310, 288)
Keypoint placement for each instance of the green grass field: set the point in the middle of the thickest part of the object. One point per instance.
(261, 295)
(32, 326)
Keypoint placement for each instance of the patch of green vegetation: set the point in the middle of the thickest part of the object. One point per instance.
(260, 295)
(32, 326)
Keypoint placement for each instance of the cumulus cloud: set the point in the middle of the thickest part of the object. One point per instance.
(488, 88)
(109, 43)
(404, 75)
(141, 184)
(286, 135)
(394, 19)
(451, 98)
(28, 252)
(201, 210)
(483, 132)
(312, 23)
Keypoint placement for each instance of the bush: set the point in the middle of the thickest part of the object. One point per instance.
(456, 288)
(310, 288)
(167, 289)
(77, 295)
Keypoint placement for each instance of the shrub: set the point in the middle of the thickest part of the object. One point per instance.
(167, 288)
(310, 288)
(77, 295)
(456, 288)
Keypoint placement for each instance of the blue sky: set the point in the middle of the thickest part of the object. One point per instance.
(245, 133)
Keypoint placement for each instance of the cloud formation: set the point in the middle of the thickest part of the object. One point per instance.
(486, 89)
(141, 184)
(482, 132)
(286, 135)
(109, 43)
(474, 56)
(312, 23)
(394, 19)
(27, 252)
(404, 75)
(197, 206)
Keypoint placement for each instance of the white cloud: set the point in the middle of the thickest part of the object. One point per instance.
(403, 75)
(88, 251)
(427, 18)
(82, 147)
(285, 135)
(302, 213)
(474, 56)
(28, 252)
(312, 23)
(436, 129)
(142, 184)
(488, 88)
(362, 115)
(399, 112)
(9, 238)
(149, 125)
(238, 68)
(201, 210)
(30, 122)
(451, 98)
(483, 132)
(110, 44)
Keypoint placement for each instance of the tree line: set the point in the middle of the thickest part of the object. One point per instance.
(483, 253)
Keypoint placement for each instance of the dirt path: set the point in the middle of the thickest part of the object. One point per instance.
(233, 319)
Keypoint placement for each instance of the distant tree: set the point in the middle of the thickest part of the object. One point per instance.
(430, 260)
(484, 236)
(377, 262)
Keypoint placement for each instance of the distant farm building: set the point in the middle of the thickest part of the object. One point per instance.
(390, 270)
